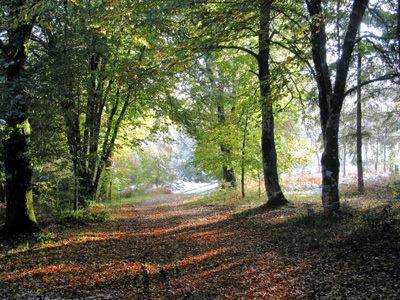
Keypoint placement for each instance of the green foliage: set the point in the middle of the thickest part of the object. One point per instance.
(94, 213)
(53, 195)
(44, 237)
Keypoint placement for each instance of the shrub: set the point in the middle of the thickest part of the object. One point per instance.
(94, 213)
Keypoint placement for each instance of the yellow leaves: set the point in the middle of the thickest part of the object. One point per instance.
(74, 2)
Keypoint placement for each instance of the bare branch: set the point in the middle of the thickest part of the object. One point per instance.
(381, 78)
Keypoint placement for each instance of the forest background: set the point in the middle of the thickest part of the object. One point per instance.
(109, 107)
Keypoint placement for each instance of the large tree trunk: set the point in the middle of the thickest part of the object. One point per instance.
(20, 215)
(331, 97)
(330, 166)
(271, 177)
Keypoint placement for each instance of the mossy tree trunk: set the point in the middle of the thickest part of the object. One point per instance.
(20, 216)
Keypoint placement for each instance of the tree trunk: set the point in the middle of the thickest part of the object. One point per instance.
(383, 145)
(360, 175)
(376, 156)
(331, 97)
(330, 167)
(227, 173)
(20, 215)
(105, 182)
(344, 158)
(274, 191)
(244, 152)
(398, 32)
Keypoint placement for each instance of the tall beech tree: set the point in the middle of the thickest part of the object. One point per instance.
(331, 94)
(271, 177)
(20, 18)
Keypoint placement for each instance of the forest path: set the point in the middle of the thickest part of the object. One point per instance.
(164, 248)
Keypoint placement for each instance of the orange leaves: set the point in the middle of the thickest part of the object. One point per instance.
(163, 249)
(169, 250)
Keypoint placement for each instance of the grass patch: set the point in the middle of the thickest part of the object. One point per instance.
(127, 201)
(95, 213)
(231, 199)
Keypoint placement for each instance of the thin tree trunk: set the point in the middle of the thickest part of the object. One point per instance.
(228, 173)
(377, 157)
(360, 175)
(244, 153)
(105, 182)
(344, 159)
(383, 145)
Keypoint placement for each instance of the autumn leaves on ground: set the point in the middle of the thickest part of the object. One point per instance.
(172, 247)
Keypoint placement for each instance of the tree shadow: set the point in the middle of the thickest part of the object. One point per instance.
(207, 255)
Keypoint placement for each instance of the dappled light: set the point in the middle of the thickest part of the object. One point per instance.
(199, 149)
(172, 250)
(168, 250)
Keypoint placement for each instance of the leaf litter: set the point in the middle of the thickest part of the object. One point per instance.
(162, 249)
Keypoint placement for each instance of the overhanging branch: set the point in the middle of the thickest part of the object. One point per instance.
(381, 78)
(255, 55)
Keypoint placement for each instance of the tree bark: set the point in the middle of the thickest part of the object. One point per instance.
(398, 33)
(244, 153)
(360, 174)
(344, 158)
(331, 97)
(20, 216)
(105, 182)
(227, 172)
(274, 191)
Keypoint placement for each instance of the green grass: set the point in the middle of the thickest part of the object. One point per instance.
(361, 218)
(119, 201)
(232, 199)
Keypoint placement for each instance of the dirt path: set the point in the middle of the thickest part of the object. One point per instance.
(163, 249)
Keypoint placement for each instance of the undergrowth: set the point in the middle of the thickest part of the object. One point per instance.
(93, 213)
